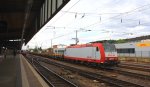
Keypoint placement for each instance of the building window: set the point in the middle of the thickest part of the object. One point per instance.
(126, 50)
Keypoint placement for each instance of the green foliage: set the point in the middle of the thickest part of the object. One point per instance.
(112, 41)
(121, 41)
(37, 49)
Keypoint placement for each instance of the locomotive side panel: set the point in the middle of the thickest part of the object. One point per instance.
(84, 52)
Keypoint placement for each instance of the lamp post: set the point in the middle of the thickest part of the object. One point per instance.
(42, 44)
(51, 43)
(77, 40)
(52, 40)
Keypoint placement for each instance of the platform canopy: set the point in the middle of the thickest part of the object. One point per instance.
(20, 20)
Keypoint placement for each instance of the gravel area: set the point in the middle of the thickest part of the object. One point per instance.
(113, 74)
(144, 83)
(146, 65)
(74, 77)
(135, 71)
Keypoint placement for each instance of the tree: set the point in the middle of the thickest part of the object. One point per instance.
(35, 49)
(121, 41)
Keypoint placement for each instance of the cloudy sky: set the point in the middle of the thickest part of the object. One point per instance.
(95, 20)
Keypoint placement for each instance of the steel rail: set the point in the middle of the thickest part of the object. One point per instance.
(98, 77)
(52, 78)
(136, 67)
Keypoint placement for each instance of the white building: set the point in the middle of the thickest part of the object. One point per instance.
(134, 49)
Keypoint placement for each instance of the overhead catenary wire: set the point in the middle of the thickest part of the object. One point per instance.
(84, 13)
(67, 10)
(113, 16)
(80, 28)
(64, 13)
(138, 9)
(65, 28)
(122, 14)
(63, 35)
(103, 30)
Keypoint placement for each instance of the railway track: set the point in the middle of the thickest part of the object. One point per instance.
(99, 77)
(120, 70)
(135, 67)
(52, 78)
(124, 72)
(132, 74)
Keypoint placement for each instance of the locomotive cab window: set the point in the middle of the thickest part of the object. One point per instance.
(97, 49)
(109, 47)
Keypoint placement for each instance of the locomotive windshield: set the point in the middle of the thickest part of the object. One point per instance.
(109, 47)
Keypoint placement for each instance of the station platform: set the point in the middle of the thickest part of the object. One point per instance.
(16, 71)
